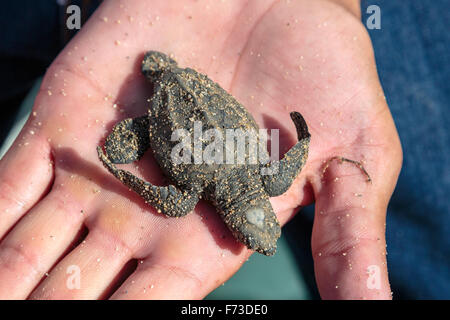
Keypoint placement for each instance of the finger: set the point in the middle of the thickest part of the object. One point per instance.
(348, 242)
(36, 243)
(25, 175)
(179, 267)
(160, 281)
(164, 278)
(88, 271)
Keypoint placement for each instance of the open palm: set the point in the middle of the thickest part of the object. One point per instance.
(274, 57)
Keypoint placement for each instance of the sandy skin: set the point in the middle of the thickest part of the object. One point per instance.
(256, 52)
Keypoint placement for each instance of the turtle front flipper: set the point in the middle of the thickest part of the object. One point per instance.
(128, 140)
(279, 175)
(169, 200)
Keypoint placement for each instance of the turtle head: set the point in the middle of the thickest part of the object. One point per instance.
(246, 210)
(254, 225)
(260, 230)
(155, 63)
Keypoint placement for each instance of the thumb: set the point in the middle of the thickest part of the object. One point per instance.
(348, 239)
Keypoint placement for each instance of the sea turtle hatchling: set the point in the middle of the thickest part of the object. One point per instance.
(240, 192)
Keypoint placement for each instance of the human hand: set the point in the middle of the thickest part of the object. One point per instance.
(274, 57)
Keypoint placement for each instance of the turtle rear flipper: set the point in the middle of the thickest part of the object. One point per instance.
(155, 63)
